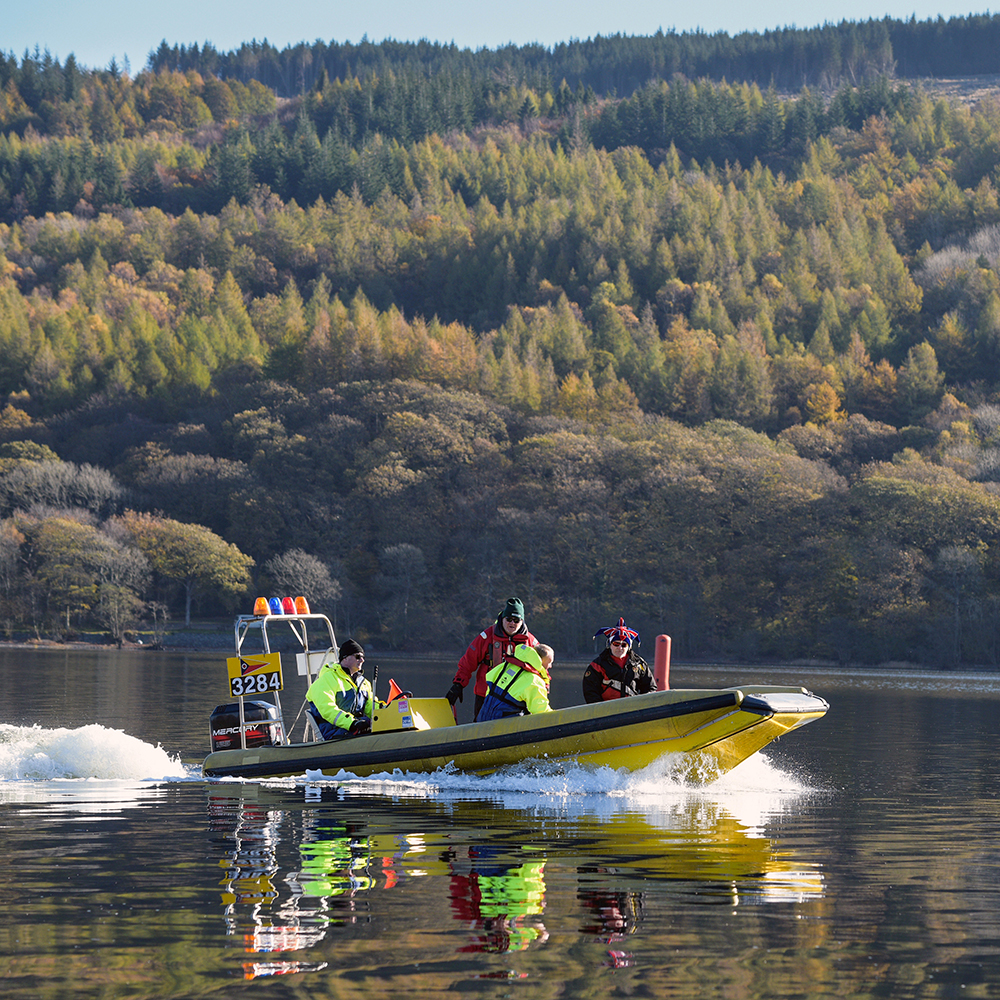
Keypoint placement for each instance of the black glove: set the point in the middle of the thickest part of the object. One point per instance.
(454, 693)
(359, 726)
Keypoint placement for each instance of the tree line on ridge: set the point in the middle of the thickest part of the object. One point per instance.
(718, 359)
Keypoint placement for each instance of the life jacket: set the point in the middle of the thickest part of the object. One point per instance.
(489, 649)
(501, 702)
(502, 645)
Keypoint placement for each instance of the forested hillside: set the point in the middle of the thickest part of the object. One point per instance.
(415, 334)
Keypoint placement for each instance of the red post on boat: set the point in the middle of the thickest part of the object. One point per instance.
(661, 664)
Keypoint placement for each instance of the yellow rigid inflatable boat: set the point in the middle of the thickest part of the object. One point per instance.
(710, 731)
(716, 729)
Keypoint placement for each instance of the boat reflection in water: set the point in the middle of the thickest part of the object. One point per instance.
(616, 915)
(303, 862)
(500, 901)
(254, 907)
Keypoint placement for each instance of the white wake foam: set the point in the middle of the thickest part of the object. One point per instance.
(755, 792)
(30, 753)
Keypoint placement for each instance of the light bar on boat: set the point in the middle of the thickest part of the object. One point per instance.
(280, 606)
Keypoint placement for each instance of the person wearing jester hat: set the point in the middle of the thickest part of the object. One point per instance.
(619, 671)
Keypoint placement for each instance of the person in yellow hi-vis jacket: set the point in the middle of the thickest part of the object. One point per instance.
(340, 700)
(518, 687)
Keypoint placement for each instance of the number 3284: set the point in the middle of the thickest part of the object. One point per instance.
(255, 684)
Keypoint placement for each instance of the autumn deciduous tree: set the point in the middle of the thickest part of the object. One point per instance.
(823, 405)
(58, 485)
(124, 577)
(70, 559)
(297, 572)
(190, 555)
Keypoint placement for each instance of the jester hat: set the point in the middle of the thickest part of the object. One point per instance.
(619, 631)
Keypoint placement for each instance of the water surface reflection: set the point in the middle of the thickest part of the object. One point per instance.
(853, 858)
(495, 870)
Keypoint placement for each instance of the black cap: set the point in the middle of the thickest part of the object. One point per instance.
(349, 647)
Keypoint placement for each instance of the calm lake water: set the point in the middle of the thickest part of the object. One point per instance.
(855, 858)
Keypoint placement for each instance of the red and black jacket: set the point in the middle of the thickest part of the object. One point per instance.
(604, 679)
(491, 647)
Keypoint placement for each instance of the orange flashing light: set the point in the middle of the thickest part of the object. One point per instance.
(301, 606)
(260, 606)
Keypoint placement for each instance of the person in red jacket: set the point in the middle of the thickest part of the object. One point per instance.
(491, 647)
(619, 671)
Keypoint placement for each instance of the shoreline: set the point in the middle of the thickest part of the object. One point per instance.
(212, 641)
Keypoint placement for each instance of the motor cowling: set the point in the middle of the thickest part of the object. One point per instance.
(225, 725)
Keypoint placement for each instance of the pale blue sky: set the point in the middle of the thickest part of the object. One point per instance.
(97, 31)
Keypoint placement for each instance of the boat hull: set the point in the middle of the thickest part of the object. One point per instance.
(714, 729)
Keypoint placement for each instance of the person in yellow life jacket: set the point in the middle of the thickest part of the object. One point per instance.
(520, 687)
(340, 700)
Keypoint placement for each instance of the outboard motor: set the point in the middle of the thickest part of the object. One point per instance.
(225, 725)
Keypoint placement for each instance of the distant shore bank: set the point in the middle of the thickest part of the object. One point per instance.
(216, 638)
